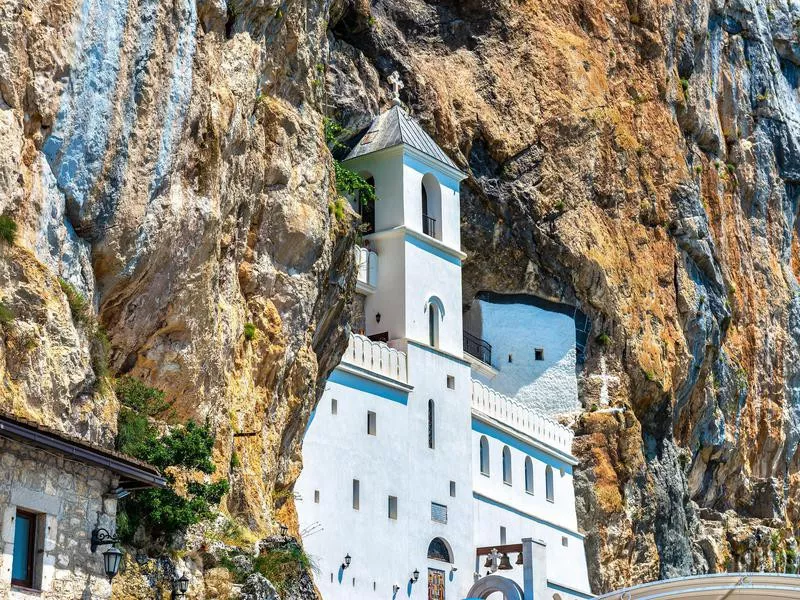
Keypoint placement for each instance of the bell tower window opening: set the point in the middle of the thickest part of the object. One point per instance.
(431, 200)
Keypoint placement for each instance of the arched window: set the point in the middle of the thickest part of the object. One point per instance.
(431, 424)
(433, 325)
(484, 452)
(528, 475)
(439, 549)
(548, 483)
(506, 465)
(431, 196)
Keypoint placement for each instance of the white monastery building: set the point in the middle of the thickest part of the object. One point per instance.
(419, 480)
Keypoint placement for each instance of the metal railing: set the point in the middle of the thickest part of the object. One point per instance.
(480, 349)
(428, 225)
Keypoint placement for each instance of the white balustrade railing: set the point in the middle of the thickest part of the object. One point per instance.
(376, 357)
(367, 262)
(519, 417)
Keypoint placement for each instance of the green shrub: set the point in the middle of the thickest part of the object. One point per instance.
(730, 167)
(235, 462)
(100, 349)
(282, 565)
(685, 85)
(603, 340)
(8, 229)
(560, 205)
(163, 512)
(6, 314)
(348, 183)
(649, 375)
(250, 332)
(78, 304)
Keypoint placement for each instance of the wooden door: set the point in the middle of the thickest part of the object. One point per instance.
(435, 584)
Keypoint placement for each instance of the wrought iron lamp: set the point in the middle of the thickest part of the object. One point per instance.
(346, 562)
(377, 317)
(111, 557)
(180, 586)
(415, 576)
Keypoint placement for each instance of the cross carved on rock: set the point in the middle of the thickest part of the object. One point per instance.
(605, 379)
(397, 85)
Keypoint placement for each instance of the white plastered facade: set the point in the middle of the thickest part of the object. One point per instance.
(397, 381)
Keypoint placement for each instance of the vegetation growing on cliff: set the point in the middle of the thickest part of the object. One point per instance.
(348, 183)
(161, 513)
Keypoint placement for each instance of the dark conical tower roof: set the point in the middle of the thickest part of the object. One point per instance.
(393, 128)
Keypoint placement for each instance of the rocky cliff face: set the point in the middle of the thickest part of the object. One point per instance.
(640, 160)
(636, 158)
(165, 162)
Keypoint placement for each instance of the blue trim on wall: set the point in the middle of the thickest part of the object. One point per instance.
(368, 386)
(509, 440)
(424, 168)
(566, 590)
(524, 515)
(415, 241)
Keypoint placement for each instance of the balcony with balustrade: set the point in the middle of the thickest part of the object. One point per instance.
(367, 263)
(377, 359)
(493, 407)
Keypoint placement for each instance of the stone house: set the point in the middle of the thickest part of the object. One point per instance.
(55, 490)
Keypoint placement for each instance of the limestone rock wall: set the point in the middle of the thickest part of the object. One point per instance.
(166, 161)
(639, 159)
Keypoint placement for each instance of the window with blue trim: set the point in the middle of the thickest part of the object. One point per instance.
(24, 549)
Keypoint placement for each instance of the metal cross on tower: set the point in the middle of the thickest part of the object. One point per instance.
(605, 378)
(397, 85)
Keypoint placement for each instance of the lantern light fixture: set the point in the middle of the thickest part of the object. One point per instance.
(415, 576)
(346, 562)
(111, 560)
(377, 317)
(182, 584)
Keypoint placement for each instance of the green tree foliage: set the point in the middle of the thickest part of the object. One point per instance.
(8, 229)
(163, 512)
(348, 183)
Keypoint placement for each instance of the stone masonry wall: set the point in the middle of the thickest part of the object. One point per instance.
(69, 494)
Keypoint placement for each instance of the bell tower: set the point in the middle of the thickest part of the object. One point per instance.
(417, 233)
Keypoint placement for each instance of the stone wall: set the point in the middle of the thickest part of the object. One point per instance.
(69, 495)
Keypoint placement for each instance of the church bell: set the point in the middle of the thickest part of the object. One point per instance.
(519, 559)
(505, 563)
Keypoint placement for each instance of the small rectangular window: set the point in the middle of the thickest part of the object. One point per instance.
(451, 382)
(393, 507)
(538, 353)
(438, 512)
(564, 541)
(511, 358)
(452, 489)
(370, 422)
(502, 535)
(356, 491)
(316, 496)
(22, 562)
(334, 406)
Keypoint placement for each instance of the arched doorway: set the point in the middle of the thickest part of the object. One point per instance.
(486, 586)
(438, 550)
